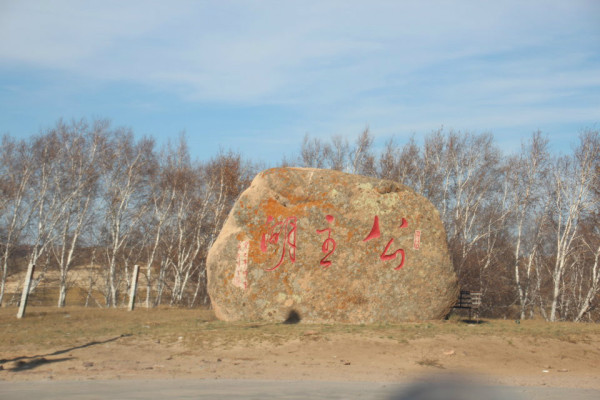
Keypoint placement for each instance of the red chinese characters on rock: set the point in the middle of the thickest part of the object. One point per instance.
(385, 256)
(329, 244)
(287, 231)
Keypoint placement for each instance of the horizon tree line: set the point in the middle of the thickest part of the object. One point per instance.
(522, 228)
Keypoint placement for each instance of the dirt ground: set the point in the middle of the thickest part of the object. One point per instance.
(49, 346)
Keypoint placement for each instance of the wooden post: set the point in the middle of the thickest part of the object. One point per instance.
(25, 293)
(133, 290)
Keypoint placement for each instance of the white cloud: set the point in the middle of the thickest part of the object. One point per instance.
(265, 50)
(61, 34)
(344, 64)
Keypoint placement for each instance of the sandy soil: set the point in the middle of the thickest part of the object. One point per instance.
(317, 356)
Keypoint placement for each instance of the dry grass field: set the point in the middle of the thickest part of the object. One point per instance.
(92, 343)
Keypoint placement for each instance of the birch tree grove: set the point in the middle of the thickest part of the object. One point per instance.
(85, 202)
(87, 197)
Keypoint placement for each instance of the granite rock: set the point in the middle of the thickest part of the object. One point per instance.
(325, 246)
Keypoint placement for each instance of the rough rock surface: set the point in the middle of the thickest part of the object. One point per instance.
(326, 246)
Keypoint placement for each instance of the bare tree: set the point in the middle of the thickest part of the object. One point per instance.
(338, 153)
(162, 198)
(400, 165)
(202, 198)
(572, 198)
(461, 175)
(313, 152)
(526, 177)
(389, 162)
(226, 176)
(433, 178)
(76, 180)
(363, 161)
(585, 279)
(47, 208)
(582, 277)
(16, 170)
(185, 224)
(128, 167)
(591, 243)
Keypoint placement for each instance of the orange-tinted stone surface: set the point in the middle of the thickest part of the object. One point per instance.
(327, 246)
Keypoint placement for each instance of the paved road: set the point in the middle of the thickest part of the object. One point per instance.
(240, 389)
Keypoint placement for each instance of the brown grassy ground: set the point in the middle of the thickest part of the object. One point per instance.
(92, 343)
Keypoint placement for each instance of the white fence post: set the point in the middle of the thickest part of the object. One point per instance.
(25, 293)
(134, 282)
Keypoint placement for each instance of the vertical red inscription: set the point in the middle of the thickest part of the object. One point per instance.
(329, 244)
(287, 230)
(417, 241)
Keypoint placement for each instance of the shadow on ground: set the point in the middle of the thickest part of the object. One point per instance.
(23, 363)
(473, 322)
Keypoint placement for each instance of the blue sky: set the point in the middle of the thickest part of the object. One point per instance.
(256, 76)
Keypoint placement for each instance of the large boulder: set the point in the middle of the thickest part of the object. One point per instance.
(326, 246)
